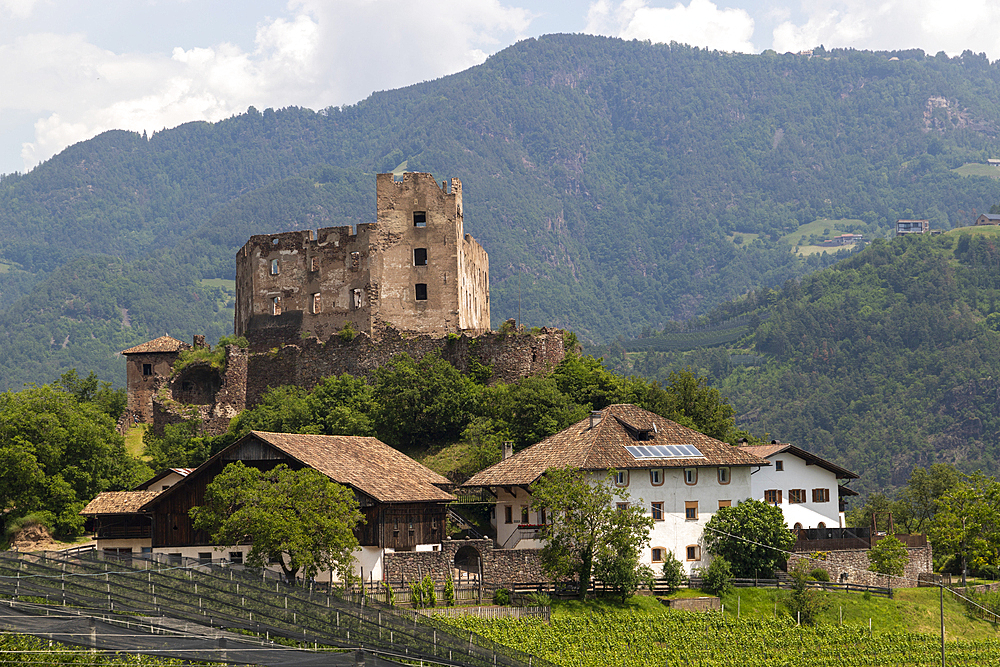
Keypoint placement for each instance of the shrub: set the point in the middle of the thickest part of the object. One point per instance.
(804, 603)
(718, 578)
(673, 572)
(449, 591)
(501, 597)
(417, 595)
(347, 333)
(819, 574)
(430, 597)
(390, 594)
(536, 600)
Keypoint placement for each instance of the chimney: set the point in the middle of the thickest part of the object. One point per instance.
(595, 418)
(508, 449)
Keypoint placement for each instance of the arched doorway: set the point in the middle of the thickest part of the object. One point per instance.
(468, 564)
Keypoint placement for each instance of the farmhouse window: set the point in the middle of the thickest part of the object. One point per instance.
(236, 557)
(725, 503)
(694, 552)
(657, 511)
(656, 476)
(723, 475)
(690, 476)
(821, 495)
(147, 369)
(205, 557)
(658, 554)
(524, 514)
(420, 218)
(420, 257)
(621, 507)
(420, 291)
(779, 466)
(508, 514)
(621, 478)
(772, 496)
(691, 510)
(796, 496)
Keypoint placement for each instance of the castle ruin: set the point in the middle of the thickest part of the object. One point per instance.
(345, 300)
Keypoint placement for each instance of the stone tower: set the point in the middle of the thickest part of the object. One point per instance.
(414, 269)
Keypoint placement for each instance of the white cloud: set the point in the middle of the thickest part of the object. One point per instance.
(700, 23)
(324, 52)
(19, 9)
(952, 26)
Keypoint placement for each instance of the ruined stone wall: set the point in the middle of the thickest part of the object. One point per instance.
(306, 362)
(474, 312)
(499, 566)
(851, 566)
(322, 278)
(214, 416)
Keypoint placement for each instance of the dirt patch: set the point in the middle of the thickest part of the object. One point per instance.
(36, 537)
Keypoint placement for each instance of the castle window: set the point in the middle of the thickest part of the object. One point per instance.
(276, 305)
(419, 218)
(420, 291)
(317, 306)
(314, 263)
(274, 267)
(420, 257)
(147, 369)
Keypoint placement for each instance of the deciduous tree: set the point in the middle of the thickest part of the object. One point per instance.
(298, 518)
(751, 536)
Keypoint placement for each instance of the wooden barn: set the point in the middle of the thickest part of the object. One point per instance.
(404, 503)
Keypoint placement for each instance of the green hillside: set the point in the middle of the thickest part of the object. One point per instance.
(887, 360)
(610, 180)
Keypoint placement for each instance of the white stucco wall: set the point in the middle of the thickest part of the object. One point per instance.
(798, 475)
(674, 532)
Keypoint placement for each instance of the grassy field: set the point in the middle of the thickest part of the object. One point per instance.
(977, 169)
(982, 230)
(755, 628)
(133, 439)
(817, 227)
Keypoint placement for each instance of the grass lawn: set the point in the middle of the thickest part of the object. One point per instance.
(817, 227)
(981, 230)
(133, 439)
(443, 460)
(977, 169)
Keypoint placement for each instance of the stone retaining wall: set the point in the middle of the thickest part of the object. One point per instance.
(499, 566)
(851, 566)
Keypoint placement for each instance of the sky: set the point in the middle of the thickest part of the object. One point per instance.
(72, 69)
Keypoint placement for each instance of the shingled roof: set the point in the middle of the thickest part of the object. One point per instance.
(603, 447)
(161, 344)
(118, 502)
(765, 451)
(366, 464)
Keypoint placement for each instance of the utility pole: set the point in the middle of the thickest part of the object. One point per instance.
(941, 589)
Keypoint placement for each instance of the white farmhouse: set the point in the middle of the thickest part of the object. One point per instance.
(679, 475)
(806, 487)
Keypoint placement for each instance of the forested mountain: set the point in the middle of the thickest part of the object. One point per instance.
(616, 185)
(887, 360)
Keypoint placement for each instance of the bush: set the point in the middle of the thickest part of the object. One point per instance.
(449, 591)
(718, 578)
(430, 597)
(390, 594)
(673, 572)
(417, 595)
(501, 597)
(819, 574)
(347, 334)
(536, 600)
(804, 603)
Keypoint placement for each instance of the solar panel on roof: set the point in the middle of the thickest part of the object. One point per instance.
(663, 451)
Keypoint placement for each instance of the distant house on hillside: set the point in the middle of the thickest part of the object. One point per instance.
(679, 476)
(993, 162)
(988, 219)
(806, 487)
(844, 239)
(145, 367)
(904, 227)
